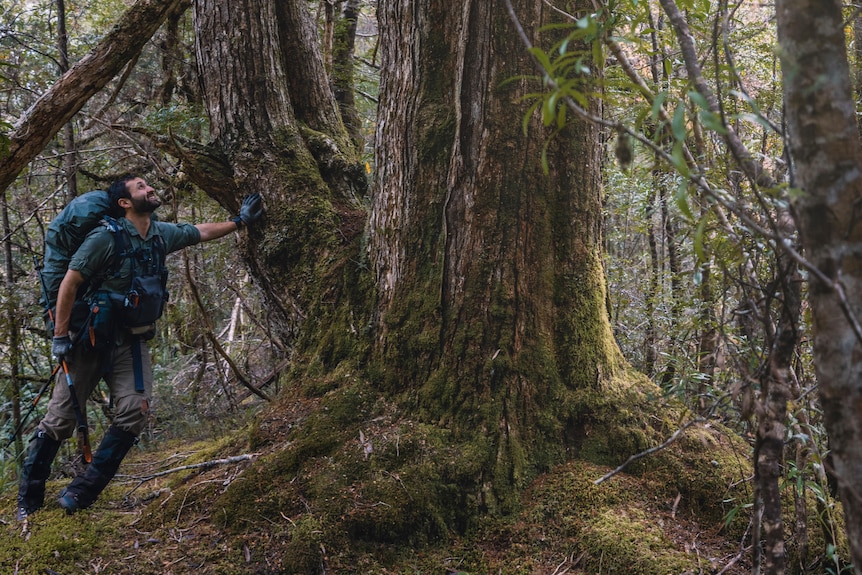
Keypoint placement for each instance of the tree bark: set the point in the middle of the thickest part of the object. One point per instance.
(776, 392)
(279, 134)
(344, 44)
(10, 318)
(824, 142)
(31, 133)
(490, 283)
(70, 154)
(653, 292)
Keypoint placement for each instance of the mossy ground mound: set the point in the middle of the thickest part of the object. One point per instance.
(340, 483)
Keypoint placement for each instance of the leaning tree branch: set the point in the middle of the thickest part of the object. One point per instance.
(32, 132)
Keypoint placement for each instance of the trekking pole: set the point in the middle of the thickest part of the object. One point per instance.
(83, 430)
(32, 407)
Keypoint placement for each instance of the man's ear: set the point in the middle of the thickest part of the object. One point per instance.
(124, 203)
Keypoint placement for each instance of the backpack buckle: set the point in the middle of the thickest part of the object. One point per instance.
(132, 299)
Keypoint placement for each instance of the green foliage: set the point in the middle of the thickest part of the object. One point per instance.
(178, 119)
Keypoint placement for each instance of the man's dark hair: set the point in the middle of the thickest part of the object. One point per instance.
(117, 191)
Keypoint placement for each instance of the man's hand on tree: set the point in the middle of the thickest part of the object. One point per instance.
(251, 210)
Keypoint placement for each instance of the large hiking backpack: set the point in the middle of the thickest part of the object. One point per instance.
(65, 234)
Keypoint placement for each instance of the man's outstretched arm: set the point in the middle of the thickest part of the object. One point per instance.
(250, 212)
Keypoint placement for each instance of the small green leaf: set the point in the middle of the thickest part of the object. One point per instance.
(681, 199)
(657, 104)
(678, 123)
(755, 119)
(712, 122)
(548, 110)
(561, 117)
(598, 55)
(525, 124)
(699, 100)
(540, 55)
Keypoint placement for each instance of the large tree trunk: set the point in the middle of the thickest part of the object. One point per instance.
(489, 317)
(279, 134)
(492, 295)
(824, 141)
(460, 345)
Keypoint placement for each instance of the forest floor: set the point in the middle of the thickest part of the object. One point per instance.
(128, 530)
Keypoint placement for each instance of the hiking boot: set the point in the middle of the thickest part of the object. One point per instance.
(21, 515)
(69, 502)
(34, 472)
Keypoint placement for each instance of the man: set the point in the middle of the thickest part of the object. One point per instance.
(125, 364)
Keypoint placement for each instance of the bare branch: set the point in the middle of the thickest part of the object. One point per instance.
(676, 435)
(203, 465)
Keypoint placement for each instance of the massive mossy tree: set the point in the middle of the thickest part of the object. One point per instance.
(450, 317)
(484, 268)
(491, 311)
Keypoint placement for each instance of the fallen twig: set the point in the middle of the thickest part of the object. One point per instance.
(649, 451)
(203, 465)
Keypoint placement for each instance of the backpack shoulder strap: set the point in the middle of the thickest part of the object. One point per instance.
(122, 245)
(160, 251)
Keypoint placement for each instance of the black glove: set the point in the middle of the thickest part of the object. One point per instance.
(251, 210)
(61, 347)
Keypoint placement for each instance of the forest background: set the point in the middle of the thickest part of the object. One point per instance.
(696, 227)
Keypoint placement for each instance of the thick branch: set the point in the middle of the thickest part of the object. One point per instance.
(32, 132)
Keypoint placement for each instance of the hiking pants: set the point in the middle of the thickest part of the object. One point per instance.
(131, 408)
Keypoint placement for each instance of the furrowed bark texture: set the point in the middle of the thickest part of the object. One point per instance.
(825, 146)
(343, 62)
(313, 99)
(488, 270)
(32, 132)
(242, 53)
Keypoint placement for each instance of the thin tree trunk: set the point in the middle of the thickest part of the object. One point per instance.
(824, 142)
(13, 342)
(344, 44)
(772, 415)
(653, 293)
(676, 291)
(170, 54)
(70, 152)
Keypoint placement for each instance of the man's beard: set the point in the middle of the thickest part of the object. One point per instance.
(146, 205)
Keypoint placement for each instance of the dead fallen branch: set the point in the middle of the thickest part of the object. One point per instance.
(650, 451)
(203, 465)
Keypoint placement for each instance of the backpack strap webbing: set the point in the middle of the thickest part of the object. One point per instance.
(137, 364)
